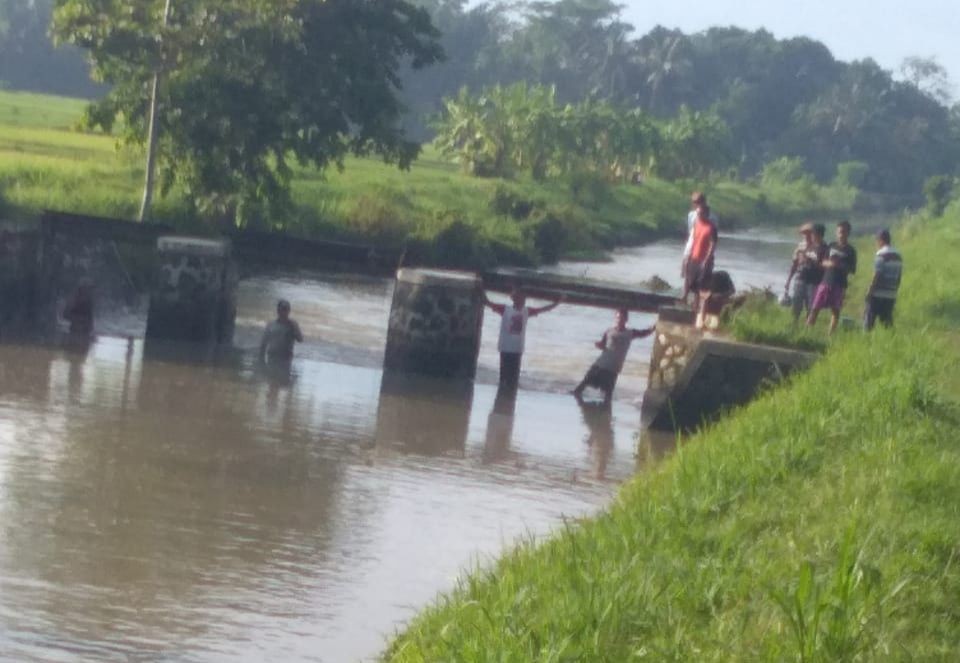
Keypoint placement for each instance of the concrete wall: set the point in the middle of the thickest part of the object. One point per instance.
(19, 260)
(696, 376)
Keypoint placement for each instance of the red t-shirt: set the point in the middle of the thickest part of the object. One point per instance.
(704, 232)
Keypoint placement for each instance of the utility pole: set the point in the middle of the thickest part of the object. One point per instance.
(152, 127)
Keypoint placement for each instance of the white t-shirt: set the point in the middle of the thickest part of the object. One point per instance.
(691, 222)
(513, 329)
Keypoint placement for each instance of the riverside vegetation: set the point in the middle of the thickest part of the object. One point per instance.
(818, 523)
(441, 214)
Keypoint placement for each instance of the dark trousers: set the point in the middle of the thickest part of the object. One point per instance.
(878, 308)
(510, 370)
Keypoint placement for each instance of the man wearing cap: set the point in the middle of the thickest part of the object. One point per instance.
(806, 268)
(697, 200)
(276, 347)
(882, 295)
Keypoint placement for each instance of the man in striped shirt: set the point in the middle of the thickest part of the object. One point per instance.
(882, 296)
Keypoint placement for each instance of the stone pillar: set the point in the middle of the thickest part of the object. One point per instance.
(19, 259)
(435, 323)
(194, 292)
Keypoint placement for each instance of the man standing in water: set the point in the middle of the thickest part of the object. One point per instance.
(887, 270)
(615, 345)
(806, 268)
(840, 263)
(78, 311)
(276, 347)
(513, 332)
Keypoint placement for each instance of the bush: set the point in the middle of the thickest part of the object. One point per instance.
(938, 190)
(785, 170)
(851, 174)
(589, 189)
(460, 245)
(507, 202)
(376, 219)
(555, 231)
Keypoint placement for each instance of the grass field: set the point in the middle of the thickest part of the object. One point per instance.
(820, 523)
(45, 163)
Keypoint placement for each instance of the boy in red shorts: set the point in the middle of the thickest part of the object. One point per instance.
(840, 263)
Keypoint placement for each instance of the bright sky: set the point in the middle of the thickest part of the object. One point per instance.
(886, 30)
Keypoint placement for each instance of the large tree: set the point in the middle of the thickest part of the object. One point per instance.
(249, 87)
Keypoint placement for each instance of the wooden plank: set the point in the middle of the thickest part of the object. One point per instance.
(583, 292)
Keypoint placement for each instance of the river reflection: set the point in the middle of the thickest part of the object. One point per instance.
(154, 508)
(163, 509)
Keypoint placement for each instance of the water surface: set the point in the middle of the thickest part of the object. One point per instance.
(164, 510)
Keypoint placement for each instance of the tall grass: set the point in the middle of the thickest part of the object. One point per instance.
(817, 524)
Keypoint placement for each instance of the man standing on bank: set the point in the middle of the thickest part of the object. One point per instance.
(840, 263)
(615, 345)
(807, 269)
(882, 295)
(513, 333)
(699, 264)
(697, 200)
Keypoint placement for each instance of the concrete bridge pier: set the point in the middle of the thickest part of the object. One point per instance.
(193, 296)
(435, 324)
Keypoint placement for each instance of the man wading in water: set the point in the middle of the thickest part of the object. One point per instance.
(276, 347)
(606, 369)
(513, 332)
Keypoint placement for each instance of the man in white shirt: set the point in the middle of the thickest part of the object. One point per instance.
(513, 332)
(697, 200)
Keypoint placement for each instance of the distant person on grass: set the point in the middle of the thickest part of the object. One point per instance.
(513, 333)
(882, 295)
(807, 268)
(279, 337)
(839, 264)
(615, 345)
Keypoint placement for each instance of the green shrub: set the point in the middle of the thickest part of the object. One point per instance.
(589, 189)
(938, 190)
(375, 218)
(506, 202)
(460, 245)
(851, 174)
(785, 170)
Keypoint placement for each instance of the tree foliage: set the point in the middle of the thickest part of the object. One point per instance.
(251, 86)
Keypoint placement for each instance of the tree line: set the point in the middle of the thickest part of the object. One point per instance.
(252, 87)
(777, 97)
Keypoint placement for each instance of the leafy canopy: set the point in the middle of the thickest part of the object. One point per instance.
(249, 86)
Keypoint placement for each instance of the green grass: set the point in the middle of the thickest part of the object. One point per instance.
(820, 523)
(440, 213)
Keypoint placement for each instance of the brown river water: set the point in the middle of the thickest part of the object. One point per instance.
(162, 510)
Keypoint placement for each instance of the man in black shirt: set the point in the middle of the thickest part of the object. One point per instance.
(840, 263)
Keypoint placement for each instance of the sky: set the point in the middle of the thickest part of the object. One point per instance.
(885, 30)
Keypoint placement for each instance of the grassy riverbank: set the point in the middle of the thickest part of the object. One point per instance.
(817, 524)
(442, 214)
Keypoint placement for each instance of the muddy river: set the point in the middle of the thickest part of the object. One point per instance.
(160, 510)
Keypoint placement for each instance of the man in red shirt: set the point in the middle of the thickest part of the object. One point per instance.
(699, 267)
